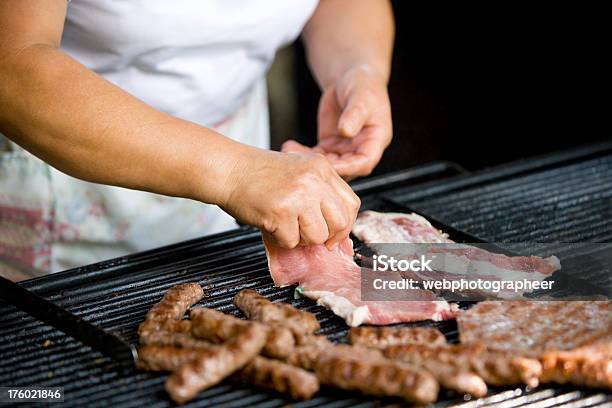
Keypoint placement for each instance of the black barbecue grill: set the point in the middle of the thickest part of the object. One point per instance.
(565, 197)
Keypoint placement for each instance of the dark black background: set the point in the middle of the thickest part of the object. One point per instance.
(487, 84)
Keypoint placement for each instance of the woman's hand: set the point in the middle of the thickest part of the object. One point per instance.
(354, 123)
(293, 198)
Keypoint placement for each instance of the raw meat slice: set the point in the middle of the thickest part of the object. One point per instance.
(392, 228)
(333, 279)
(450, 261)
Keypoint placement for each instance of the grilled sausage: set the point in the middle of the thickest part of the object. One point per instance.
(259, 308)
(459, 380)
(376, 376)
(280, 342)
(175, 302)
(363, 369)
(217, 327)
(280, 377)
(167, 315)
(261, 372)
(307, 355)
(494, 367)
(212, 366)
(589, 366)
(168, 358)
(381, 337)
(172, 339)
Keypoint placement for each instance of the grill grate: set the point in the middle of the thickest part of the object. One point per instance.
(117, 294)
(571, 203)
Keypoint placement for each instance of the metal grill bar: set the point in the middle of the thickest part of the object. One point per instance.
(564, 204)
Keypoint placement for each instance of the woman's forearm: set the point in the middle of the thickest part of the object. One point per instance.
(86, 127)
(344, 34)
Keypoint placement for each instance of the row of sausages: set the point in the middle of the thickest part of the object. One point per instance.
(276, 348)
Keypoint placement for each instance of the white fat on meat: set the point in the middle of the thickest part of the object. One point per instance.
(353, 315)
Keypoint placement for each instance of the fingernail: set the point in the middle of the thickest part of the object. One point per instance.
(347, 129)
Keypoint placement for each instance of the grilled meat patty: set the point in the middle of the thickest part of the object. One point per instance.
(535, 327)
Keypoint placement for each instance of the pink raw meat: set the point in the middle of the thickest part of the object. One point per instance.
(375, 228)
(334, 280)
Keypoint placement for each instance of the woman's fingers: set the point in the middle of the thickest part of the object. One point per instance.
(341, 214)
(313, 226)
(287, 235)
(354, 116)
(292, 146)
(297, 199)
(337, 222)
(352, 202)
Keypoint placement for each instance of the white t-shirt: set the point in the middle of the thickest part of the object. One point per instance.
(199, 60)
(194, 59)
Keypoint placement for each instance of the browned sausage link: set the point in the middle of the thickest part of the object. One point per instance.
(311, 347)
(172, 339)
(209, 368)
(459, 380)
(257, 307)
(168, 313)
(584, 367)
(215, 326)
(280, 377)
(167, 358)
(218, 327)
(381, 337)
(149, 331)
(313, 340)
(494, 367)
(262, 372)
(176, 301)
(280, 342)
(380, 377)
(336, 365)
(305, 356)
(450, 377)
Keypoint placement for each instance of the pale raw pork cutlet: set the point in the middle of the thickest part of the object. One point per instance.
(451, 261)
(333, 279)
(393, 228)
